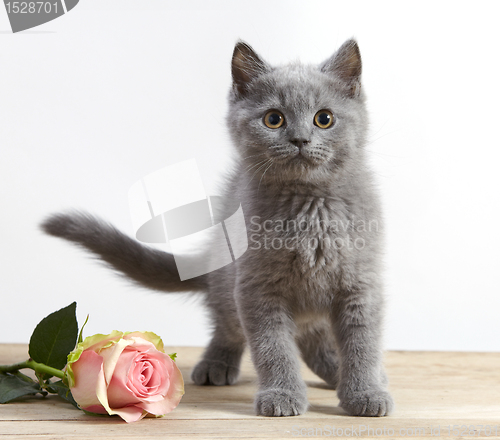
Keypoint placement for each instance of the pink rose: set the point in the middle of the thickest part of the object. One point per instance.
(127, 374)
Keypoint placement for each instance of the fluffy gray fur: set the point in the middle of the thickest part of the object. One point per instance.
(319, 294)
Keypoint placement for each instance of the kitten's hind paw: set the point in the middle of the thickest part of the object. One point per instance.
(371, 403)
(279, 402)
(212, 372)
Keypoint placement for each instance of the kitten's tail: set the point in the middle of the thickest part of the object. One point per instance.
(146, 266)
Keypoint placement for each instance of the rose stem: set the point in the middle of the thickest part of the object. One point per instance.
(30, 363)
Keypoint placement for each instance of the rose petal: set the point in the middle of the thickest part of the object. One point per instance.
(147, 373)
(111, 355)
(88, 372)
(119, 394)
(153, 377)
(136, 378)
(98, 409)
(148, 336)
(163, 365)
(97, 342)
(173, 397)
(162, 377)
(140, 344)
(130, 413)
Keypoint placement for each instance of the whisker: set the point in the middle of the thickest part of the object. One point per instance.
(254, 155)
(254, 165)
(270, 165)
(257, 170)
(380, 137)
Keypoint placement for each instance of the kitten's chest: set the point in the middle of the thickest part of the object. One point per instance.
(304, 235)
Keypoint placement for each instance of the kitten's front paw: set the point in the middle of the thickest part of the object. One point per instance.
(279, 402)
(370, 403)
(212, 372)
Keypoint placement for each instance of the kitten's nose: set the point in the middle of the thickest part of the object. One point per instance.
(299, 142)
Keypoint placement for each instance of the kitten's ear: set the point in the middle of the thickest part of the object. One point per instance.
(246, 66)
(345, 64)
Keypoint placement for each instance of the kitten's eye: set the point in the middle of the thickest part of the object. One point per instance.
(324, 119)
(274, 119)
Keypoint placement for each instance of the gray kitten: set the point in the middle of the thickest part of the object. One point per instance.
(309, 283)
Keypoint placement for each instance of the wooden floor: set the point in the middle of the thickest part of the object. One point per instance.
(433, 392)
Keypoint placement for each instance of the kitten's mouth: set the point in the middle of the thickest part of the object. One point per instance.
(303, 157)
(292, 159)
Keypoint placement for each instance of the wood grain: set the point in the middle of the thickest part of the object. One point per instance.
(431, 390)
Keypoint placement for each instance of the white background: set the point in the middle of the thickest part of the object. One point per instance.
(93, 101)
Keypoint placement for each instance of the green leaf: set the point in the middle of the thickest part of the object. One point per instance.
(94, 414)
(54, 337)
(173, 356)
(80, 336)
(63, 391)
(23, 377)
(12, 387)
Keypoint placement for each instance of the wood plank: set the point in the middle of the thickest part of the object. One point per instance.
(431, 390)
